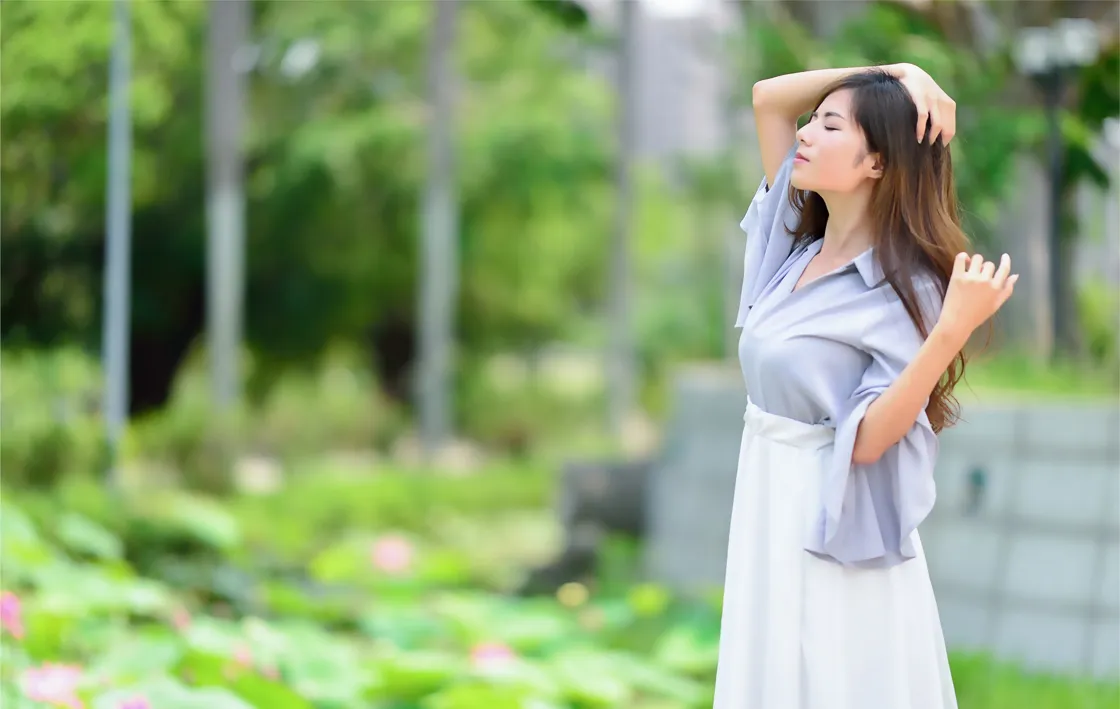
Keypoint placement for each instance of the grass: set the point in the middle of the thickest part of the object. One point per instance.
(982, 683)
(1021, 376)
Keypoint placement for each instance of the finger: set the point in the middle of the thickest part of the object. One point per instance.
(976, 264)
(1008, 289)
(960, 263)
(934, 124)
(988, 269)
(948, 120)
(923, 116)
(1002, 272)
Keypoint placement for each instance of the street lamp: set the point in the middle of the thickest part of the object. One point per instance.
(1051, 56)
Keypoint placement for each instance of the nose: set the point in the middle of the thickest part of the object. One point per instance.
(804, 134)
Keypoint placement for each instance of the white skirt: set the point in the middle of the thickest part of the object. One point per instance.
(800, 632)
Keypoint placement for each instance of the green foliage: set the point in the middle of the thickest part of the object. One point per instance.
(336, 407)
(49, 422)
(335, 169)
(1100, 318)
(327, 504)
(51, 426)
(1015, 375)
(351, 633)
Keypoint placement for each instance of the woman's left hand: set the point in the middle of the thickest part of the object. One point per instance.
(977, 289)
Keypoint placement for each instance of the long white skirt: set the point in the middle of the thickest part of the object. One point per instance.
(800, 632)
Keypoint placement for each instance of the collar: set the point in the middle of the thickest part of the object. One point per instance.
(868, 267)
(865, 264)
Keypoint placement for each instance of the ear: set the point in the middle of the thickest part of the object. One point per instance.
(874, 165)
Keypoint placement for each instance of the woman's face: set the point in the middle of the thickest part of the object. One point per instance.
(832, 154)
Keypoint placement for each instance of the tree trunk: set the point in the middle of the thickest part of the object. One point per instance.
(439, 257)
(225, 196)
(620, 357)
(118, 241)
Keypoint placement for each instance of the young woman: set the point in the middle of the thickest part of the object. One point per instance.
(858, 298)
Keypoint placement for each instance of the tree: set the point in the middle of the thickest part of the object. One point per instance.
(620, 355)
(440, 253)
(334, 174)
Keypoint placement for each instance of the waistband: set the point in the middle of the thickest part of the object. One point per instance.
(786, 430)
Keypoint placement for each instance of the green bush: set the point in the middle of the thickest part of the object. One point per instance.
(208, 543)
(1100, 318)
(318, 505)
(50, 422)
(336, 407)
(515, 405)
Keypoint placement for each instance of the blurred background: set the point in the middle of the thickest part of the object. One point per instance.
(379, 354)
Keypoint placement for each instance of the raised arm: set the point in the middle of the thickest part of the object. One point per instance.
(780, 101)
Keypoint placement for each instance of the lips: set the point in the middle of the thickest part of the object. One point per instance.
(800, 158)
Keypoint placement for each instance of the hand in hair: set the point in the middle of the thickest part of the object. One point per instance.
(935, 107)
(977, 289)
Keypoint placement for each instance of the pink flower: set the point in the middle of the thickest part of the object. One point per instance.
(491, 656)
(135, 703)
(392, 554)
(181, 619)
(11, 614)
(53, 684)
(243, 656)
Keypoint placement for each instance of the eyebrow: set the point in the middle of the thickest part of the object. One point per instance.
(831, 114)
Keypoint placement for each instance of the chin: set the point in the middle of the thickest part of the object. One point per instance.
(800, 182)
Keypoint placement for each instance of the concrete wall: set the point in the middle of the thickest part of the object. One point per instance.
(1023, 546)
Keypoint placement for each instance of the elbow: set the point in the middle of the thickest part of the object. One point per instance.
(759, 94)
(864, 453)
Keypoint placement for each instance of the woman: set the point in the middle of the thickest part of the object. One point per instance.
(857, 300)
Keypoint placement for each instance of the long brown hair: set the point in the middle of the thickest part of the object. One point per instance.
(916, 227)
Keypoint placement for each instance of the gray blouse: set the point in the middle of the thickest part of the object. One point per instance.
(822, 354)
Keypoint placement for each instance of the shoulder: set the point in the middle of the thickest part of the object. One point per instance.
(924, 286)
(894, 324)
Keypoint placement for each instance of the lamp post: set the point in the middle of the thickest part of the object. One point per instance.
(1051, 56)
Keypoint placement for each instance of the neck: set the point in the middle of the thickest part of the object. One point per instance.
(848, 232)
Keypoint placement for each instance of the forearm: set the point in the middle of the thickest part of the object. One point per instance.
(893, 413)
(791, 95)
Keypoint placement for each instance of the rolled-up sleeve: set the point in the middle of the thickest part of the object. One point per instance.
(767, 224)
(868, 512)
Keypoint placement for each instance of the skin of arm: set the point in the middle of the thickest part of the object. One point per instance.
(975, 293)
(891, 416)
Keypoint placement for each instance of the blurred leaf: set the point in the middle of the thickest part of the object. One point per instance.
(416, 674)
(135, 658)
(686, 649)
(475, 696)
(77, 589)
(196, 517)
(587, 680)
(166, 693)
(83, 536)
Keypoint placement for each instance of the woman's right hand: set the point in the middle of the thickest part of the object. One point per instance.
(933, 103)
